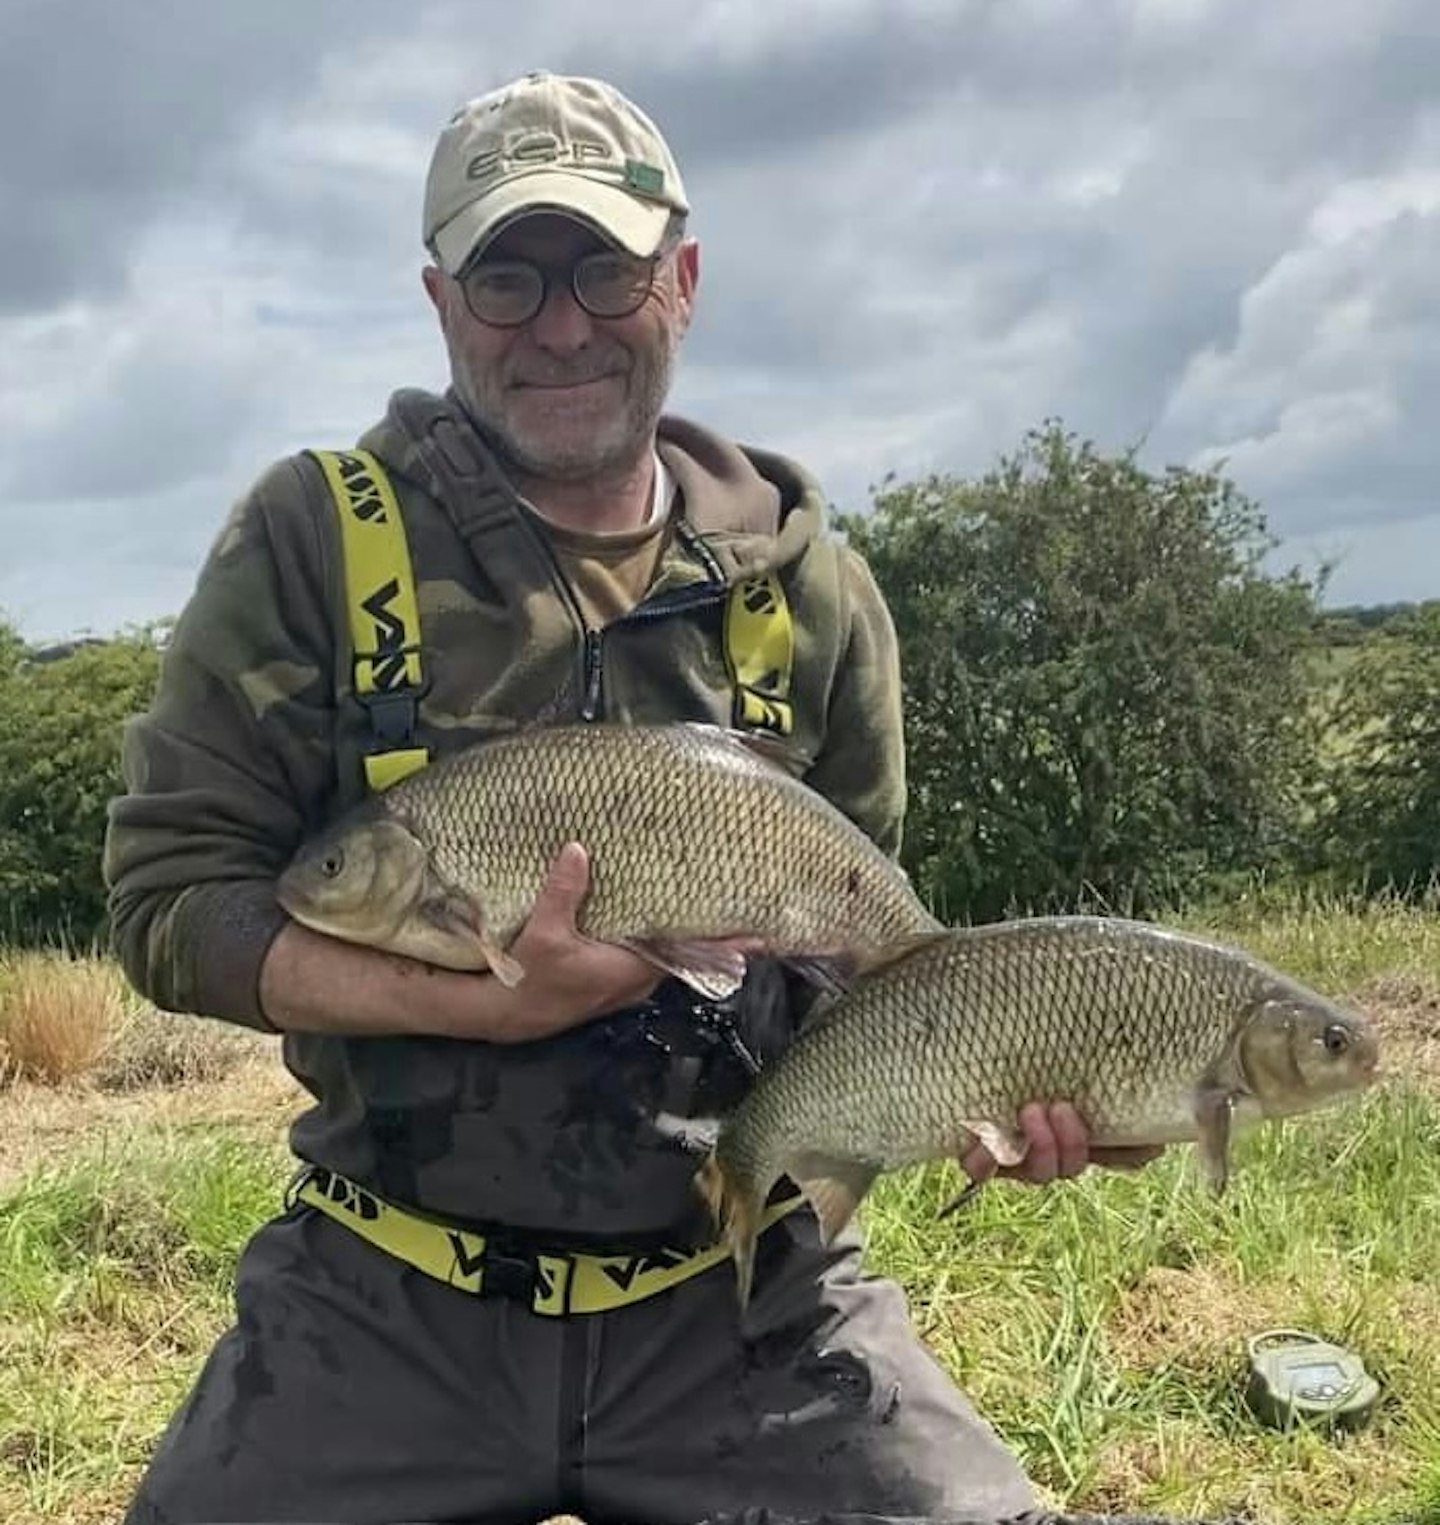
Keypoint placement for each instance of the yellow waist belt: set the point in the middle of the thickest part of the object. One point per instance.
(554, 1283)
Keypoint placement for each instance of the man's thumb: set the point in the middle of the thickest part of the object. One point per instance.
(565, 884)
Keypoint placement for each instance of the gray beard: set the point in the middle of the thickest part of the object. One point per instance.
(632, 439)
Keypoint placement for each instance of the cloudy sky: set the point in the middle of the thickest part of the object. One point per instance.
(1211, 226)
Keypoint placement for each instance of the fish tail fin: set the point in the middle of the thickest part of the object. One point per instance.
(736, 1212)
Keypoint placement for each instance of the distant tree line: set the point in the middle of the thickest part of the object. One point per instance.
(1109, 703)
(62, 709)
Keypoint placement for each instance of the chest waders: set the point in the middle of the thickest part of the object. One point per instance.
(387, 666)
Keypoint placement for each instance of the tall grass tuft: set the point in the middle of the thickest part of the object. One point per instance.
(58, 1013)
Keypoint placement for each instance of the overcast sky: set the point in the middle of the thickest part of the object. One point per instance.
(1209, 225)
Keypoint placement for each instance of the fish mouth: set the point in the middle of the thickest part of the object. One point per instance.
(1368, 1068)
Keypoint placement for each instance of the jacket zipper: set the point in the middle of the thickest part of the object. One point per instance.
(592, 703)
(592, 708)
(594, 672)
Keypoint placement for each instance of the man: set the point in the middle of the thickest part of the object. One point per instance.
(574, 555)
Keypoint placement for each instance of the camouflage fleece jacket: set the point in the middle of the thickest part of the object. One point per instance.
(255, 739)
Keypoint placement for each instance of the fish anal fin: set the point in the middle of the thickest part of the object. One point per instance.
(835, 1188)
(710, 968)
(1214, 1114)
(830, 973)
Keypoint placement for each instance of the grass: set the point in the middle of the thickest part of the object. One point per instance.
(65, 1017)
(1100, 1323)
(1103, 1322)
(115, 1271)
(57, 1014)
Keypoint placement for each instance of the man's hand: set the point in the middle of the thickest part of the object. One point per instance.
(569, 978)
(1059, 1147)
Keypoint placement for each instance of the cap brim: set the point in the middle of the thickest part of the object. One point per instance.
(634, 224)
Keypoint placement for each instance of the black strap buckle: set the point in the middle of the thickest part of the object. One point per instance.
(392, 714)
(506, 1272)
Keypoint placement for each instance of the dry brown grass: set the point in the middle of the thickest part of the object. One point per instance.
(1176, 1322)
(154, 1048)
(1335, 1477)
(1406, 1010)
(57, 1015)
(1188, 1315)
(41, 1124)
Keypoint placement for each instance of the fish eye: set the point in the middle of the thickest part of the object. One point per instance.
(1337, 1039)
(332, 865)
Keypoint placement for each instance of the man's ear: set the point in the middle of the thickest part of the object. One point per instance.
(687, 276)
(434, 281)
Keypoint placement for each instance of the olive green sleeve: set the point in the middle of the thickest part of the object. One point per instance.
(231, 764)
(861, 766)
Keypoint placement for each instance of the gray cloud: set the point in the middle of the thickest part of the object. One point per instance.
(114, 112)
(926, 225)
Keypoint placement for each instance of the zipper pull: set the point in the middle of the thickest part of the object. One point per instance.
(590, 708)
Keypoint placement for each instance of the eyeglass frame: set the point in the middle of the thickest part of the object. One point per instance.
(670, 240)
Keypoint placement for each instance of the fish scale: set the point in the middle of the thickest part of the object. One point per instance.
(1153, 1035)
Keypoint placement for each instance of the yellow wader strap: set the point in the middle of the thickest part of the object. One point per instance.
(555, 1283)
(384, 617)
(760, 653)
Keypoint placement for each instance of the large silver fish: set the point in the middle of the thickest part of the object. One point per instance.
(694, 834)
(1153, 1035)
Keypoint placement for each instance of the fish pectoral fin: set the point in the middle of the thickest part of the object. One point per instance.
(1214, 1115)
(1008, 1145)
(509, 971)
(711, 969)
(458, 917)
(835, 1188)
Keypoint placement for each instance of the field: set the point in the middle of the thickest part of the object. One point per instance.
(1100, 1324)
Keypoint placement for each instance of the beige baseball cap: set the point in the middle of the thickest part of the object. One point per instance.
(549, 142)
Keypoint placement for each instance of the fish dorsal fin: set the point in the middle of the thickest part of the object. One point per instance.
(772, 750)
(898, 951)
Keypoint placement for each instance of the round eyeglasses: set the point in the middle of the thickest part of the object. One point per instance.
(607, 283)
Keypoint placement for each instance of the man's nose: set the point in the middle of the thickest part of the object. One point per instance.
(562, 325)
